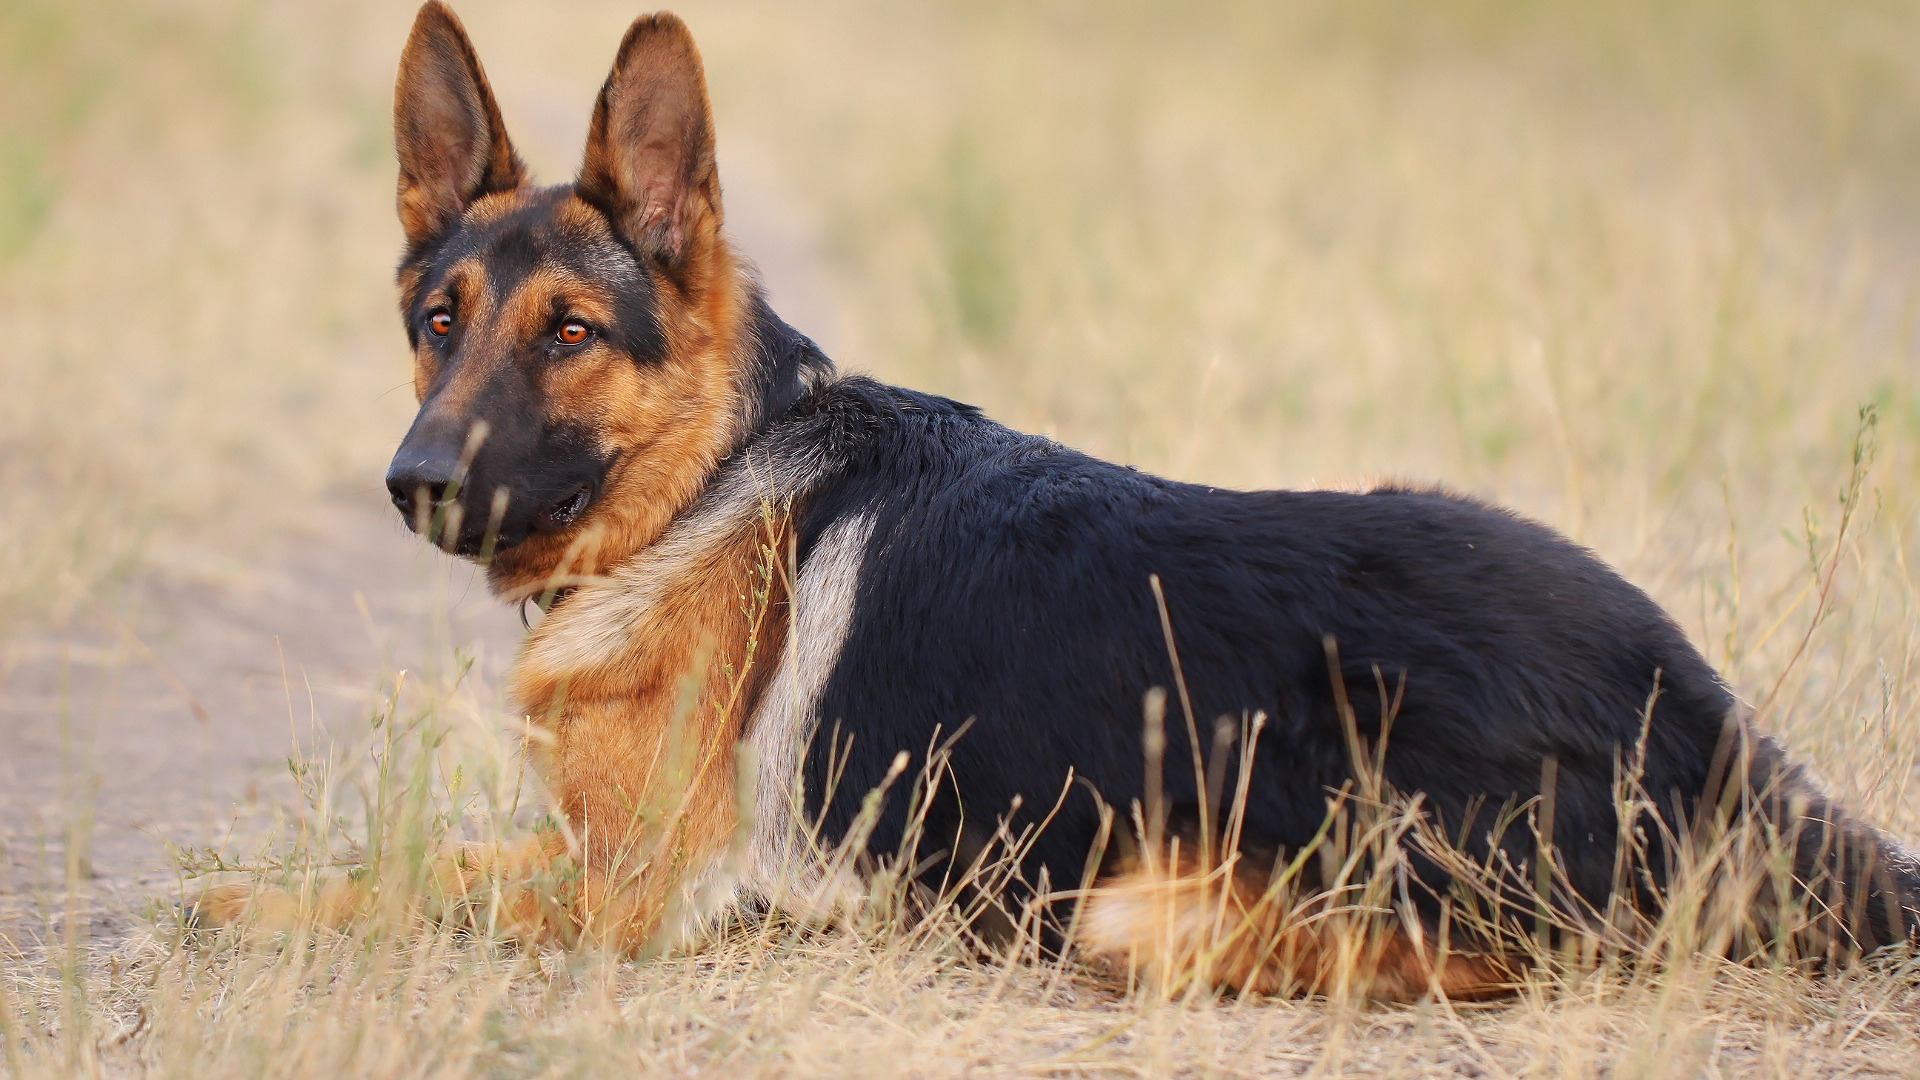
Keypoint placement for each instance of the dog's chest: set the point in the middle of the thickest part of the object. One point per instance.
(716, 642)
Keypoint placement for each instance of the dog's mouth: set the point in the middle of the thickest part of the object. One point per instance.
(568, 510)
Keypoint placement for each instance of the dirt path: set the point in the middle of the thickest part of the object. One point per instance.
(174, 720)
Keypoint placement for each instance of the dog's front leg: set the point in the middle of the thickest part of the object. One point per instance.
(274, 908)
(530, 879)
(523, 891)
(535, 892)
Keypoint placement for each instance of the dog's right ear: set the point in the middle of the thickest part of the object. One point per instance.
(446, 128)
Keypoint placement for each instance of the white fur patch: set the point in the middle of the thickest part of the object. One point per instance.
(777, 865)
(783, 722)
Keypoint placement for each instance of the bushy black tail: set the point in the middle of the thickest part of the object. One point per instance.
(1853, 889)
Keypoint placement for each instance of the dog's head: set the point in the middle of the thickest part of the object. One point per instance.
(573, 345)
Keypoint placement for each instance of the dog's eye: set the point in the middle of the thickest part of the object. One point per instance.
(440, 322)
(572, 333)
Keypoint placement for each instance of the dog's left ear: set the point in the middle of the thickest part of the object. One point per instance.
(649, 164)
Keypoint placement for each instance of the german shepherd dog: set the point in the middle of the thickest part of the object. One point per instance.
(766, 581)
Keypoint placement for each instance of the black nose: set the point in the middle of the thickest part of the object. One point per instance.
(416, 481)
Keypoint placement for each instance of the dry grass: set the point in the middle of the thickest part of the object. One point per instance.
(1631, 267)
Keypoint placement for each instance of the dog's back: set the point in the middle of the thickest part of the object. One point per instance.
(1005, 583)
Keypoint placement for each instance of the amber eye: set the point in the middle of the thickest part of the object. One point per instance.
(572, 333)
(440, 322)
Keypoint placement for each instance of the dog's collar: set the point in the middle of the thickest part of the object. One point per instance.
(546, 602)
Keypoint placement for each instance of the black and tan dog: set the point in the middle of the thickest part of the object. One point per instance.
(742, 547)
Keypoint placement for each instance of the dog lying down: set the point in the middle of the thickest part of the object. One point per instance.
(1363, 712)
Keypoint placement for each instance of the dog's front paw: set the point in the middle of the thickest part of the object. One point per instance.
(271, 908)
(224, 906)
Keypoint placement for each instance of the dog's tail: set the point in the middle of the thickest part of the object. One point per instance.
(1853, 888)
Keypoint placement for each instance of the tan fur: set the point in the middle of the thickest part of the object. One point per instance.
(1215, 929)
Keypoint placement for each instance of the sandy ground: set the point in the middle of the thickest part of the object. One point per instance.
(172, 720)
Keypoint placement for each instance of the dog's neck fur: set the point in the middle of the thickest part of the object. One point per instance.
(777, 365)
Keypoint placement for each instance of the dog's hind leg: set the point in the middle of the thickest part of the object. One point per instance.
(1179, 929)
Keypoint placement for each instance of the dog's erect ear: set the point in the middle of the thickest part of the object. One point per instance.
(649, 163)
(453, 147)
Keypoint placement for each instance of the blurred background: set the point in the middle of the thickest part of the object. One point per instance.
(1632, 267)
